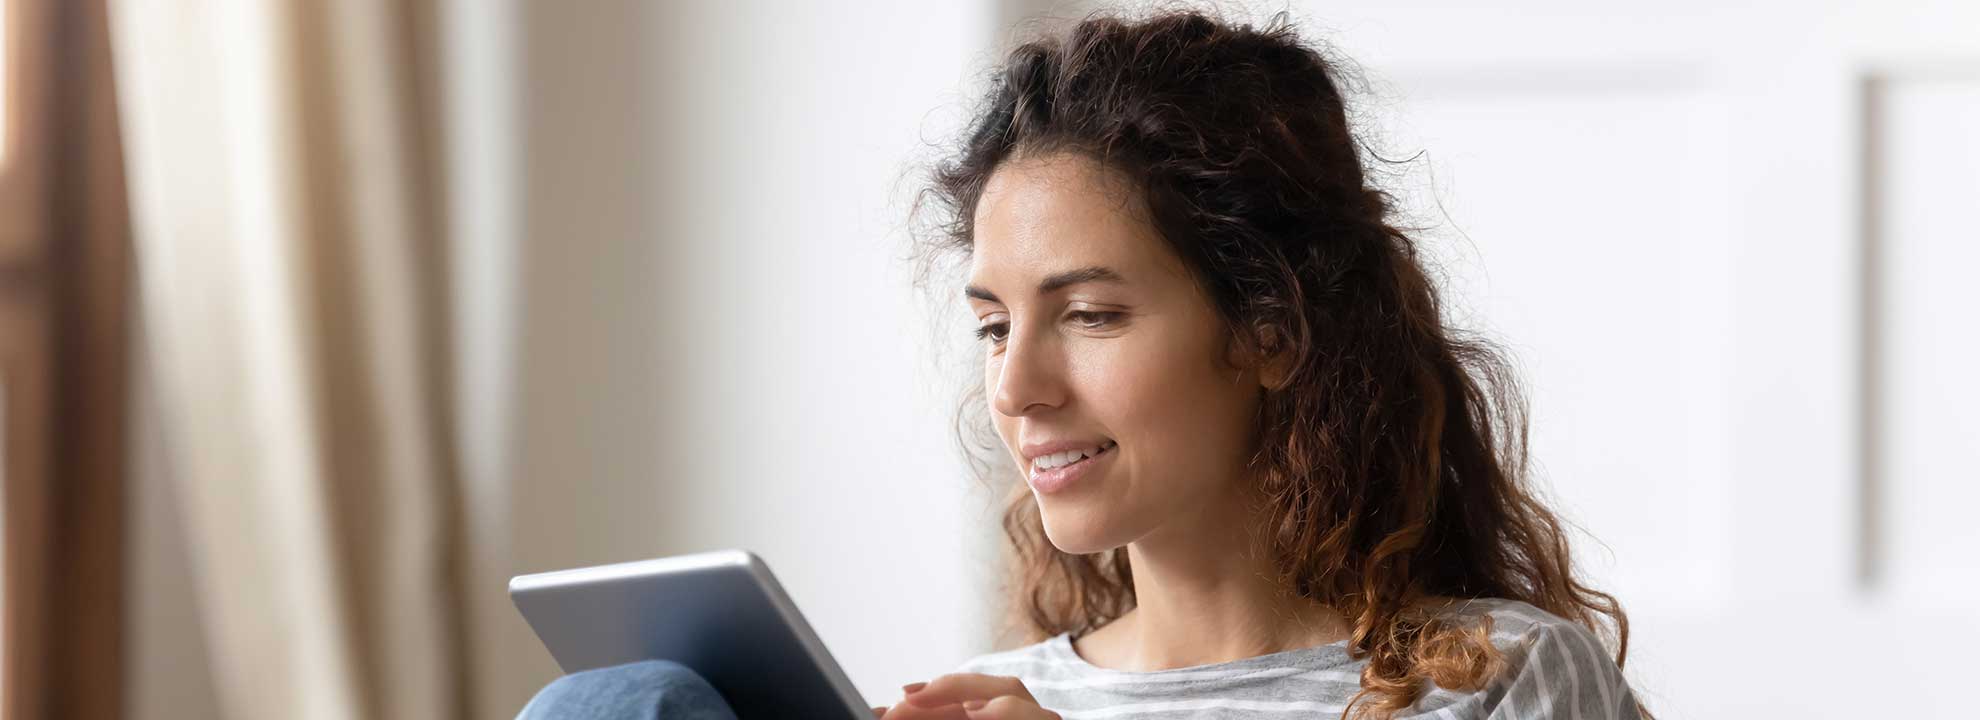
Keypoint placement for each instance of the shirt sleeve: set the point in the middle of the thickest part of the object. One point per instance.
(1563, 672)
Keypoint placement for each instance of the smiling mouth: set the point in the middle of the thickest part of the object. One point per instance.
(1070, 458)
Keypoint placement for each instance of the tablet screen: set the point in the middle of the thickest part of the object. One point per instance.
(721, 613)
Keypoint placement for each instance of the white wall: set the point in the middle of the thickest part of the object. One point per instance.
(1720, 239)
(716, 343)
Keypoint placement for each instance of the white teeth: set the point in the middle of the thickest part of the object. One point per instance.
(1062, 459)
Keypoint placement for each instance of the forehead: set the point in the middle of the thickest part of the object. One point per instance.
(1042, 214)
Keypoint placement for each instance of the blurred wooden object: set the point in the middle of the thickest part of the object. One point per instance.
(64, 276)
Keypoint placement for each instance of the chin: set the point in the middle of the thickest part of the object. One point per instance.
(1075, 535)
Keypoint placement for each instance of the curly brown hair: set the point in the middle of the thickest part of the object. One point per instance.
(1393, 452)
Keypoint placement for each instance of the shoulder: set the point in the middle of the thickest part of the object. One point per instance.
(1514, 620)
(1529, 635)
(1553, 666)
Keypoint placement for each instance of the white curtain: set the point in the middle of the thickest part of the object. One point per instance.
(291, 287)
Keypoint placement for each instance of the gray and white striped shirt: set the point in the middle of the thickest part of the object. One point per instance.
(1554, 669)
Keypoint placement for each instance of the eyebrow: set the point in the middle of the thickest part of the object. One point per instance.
(1056, 282)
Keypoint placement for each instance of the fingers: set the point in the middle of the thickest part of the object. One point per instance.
(879, 712)
(1007, 707)
(956, 688)
(908, 711)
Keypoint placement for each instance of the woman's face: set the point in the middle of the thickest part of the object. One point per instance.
(1098, 339)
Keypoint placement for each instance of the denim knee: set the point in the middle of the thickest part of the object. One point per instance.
(647, 690)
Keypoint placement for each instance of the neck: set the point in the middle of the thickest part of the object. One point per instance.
(1206, 592)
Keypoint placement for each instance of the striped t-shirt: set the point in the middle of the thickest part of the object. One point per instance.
(1554, 669)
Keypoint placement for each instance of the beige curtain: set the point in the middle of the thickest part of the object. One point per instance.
(290, 283)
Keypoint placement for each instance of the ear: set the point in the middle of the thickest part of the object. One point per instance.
(1276, 367)
(1263, 351)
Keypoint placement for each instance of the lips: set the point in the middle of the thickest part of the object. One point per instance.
(1057, 479)
(1033, 450)
(1068, 457)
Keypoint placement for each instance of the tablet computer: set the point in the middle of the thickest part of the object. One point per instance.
(721, 613)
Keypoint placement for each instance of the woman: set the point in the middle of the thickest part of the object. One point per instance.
(1262, 478)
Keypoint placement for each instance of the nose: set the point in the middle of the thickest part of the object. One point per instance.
(1031, 377)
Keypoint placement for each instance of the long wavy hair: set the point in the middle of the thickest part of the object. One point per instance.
(1393, 452)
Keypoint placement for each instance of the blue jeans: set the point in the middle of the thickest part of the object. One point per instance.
(647, 690)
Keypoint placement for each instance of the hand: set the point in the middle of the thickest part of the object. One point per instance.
(968, 696)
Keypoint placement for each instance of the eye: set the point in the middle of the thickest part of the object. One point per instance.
(995, 332)
(1091, 319)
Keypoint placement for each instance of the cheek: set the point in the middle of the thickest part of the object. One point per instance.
(1181, 412)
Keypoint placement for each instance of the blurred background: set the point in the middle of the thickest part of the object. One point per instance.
(320, 320)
